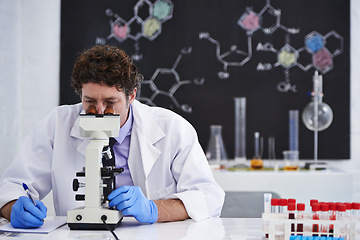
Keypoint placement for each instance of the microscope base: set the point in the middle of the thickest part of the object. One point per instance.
(91, 218)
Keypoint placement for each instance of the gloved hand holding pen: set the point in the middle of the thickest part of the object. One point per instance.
(25, 214)
(131, 201)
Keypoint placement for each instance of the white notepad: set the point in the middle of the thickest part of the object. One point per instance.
(50, 224)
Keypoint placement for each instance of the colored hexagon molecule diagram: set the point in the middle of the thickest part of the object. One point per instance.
(120, 31)
(322, 60)
(314, 42)
(249, 21)
(287, 56)
(151, 28)
(163, 10)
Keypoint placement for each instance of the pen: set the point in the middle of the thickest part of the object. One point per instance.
(28, 192)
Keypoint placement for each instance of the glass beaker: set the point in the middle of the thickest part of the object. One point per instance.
(216, 148)
(291, 158)
(240, 128)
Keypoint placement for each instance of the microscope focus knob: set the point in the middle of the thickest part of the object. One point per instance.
(80, 197)
(77, 185)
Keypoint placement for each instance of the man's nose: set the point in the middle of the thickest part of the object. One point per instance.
(100, 108)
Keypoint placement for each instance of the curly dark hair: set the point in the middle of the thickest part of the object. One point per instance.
(105, 64)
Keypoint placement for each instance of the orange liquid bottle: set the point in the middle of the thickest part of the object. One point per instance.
(256, 162)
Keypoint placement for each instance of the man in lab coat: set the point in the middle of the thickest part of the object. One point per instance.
(166, 175)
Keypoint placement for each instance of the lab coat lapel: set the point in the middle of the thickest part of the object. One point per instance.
(141, 159)
(143, 154)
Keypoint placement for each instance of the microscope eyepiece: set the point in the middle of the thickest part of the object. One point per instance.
(91, 110)
(109, 111)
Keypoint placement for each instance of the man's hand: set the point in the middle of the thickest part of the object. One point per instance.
(132, 202)
(25, 214)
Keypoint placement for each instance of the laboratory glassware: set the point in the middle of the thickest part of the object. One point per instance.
(240, 128)
(324, 116)
(294, 130)
(216, 148)
(291, 158)
(256, 161)
(271, 153)
(317, 115)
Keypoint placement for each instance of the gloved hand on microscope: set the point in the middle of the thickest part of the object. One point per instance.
(131, 201)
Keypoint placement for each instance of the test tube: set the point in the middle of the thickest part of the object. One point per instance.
(324, 215)
(240, 128)
(267, 209)
(356, 211)
(300, 207)
(332, 216)
(291, 211)
(271, 148)
(267, 202)
(283, 205)
(257, 154)
(315, 216)
(275, 205)
(271, 152)
(294, 130)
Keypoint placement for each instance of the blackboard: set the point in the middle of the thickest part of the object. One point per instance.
(198, 55)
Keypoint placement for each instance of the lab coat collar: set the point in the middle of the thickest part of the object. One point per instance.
(75, 132)
(145, 123)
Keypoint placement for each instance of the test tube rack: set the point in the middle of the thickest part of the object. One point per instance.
(278, 226)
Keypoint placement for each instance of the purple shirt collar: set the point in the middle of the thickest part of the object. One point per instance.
(125, 130)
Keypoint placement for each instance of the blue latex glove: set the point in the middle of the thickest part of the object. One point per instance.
(25, 214)
(131, 201)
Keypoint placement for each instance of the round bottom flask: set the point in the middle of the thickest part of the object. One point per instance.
(325, 116)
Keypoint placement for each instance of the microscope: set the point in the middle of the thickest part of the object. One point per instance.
(99, 180)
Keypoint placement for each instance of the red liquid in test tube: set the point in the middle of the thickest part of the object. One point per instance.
(324, 215)
(332, 216)
(300, 215)
(315, 216)
(291, 210)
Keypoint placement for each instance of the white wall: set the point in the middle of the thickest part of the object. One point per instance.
(29, 80)
(29, 68)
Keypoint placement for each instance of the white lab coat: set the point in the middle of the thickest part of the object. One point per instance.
(165, 160)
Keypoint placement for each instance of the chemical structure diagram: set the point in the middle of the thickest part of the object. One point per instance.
(233, 50)
(251, 22)
(165, 82)
(146, 22)
(315, 54)
(318, 48)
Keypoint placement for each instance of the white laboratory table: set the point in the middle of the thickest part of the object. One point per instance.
(327, 185)
(209, 229)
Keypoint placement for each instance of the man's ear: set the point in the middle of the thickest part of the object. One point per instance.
(132, 96)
